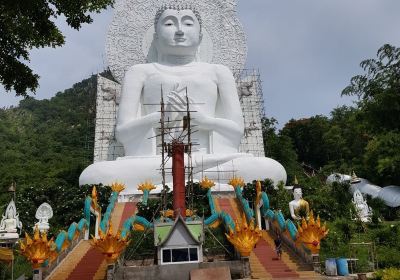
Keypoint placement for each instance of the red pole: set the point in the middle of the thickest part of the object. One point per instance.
(178, 177)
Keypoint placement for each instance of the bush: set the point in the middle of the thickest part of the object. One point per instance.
(67, 203)
(388, 236)
(151, 210)
(387, 274)
(381, 210)
(346, 227)
(250, 192)
(199, 200)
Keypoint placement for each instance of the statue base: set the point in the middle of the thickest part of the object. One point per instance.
(5, 236)
(133, 171)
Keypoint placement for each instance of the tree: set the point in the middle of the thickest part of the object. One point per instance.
(280, 148)
(382, 158)
(345, 140)
(30, 24)
(47, 142)
(378, 90)
(307, 138)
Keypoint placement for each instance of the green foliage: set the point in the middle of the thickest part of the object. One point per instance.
(382, 158)
(250, 191)
(279, 147)
(328, 201)
(198, 198)
(346, 227)
(141, 246)
(21, 266)
(30, 24)
(388, 236)
(381, 211)
(378, 90)
(279, 199)
(216, 243)
(67, 203)
(43, 151)
(334, 245)
(364, 138)
(151, 210)
(391, 273)
(307, 138)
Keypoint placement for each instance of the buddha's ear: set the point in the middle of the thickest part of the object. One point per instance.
(155, 36)
(200, 37)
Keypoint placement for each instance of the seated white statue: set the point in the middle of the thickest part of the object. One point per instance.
(364, 212)
(298, 203)
(10, 222)
(212, 93)
(43, 214)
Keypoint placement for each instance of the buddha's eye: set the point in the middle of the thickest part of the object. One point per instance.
(188, 22)
(168, 23)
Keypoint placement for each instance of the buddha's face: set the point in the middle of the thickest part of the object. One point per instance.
(10, 214)
(358, 198)
(178, 33)
(297, 193)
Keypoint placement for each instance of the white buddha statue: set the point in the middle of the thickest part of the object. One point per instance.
(298, 204)
(212, 93)
(364, 212)
(43, 214)
(10, 222)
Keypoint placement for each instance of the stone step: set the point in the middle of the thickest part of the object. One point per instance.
(70, 261)
(86, 262)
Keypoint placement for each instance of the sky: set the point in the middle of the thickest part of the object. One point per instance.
(306, 51)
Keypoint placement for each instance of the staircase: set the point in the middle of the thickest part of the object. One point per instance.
(230, 206)
(264, 262)
(85, 262)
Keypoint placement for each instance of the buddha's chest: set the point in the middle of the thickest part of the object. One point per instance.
(10, 223)
(200, 87)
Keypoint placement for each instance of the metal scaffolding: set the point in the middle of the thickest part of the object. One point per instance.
(249, 86)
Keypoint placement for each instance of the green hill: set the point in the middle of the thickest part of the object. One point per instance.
(45, 144)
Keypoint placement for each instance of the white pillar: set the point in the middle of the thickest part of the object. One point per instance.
(258, 214)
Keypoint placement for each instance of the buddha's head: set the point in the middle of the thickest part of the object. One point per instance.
(10, 213)
(358, 197)
(297, 192)
(177, 30)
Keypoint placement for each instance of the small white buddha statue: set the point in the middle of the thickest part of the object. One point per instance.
(212, 94)
(364, 212)
(10, 222)
(43, 214)
(298, 203)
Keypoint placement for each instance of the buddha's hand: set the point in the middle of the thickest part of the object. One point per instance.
(175, 104)
(178, 101)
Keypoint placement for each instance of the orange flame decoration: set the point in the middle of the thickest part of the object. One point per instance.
(311, 233)
(170, 213)
(207, 183)
(245, 237)
(236, 182)
(38, 249)
(146, 186)
(110, 245)
(117, 187)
